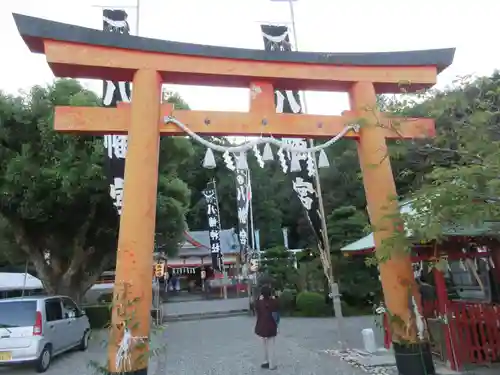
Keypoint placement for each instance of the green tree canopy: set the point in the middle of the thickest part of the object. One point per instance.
(459, 184)
(358, 283)
(278, 265)
(345, 224)
(54, 203)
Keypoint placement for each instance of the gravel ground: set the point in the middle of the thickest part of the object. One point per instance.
(227, 346)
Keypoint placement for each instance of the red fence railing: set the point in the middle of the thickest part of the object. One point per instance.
(472, 330)
(475, 331)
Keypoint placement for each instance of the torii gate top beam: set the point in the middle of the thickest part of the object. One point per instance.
(81, 52)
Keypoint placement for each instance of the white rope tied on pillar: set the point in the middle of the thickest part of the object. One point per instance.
(123, 355)
(419, 319)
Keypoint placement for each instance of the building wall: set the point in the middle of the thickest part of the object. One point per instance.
(197, 261)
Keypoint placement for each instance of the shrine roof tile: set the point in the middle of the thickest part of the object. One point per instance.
(199, 240)
(487, 228)
(34, 30)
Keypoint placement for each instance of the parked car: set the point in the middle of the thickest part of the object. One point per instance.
(37, 328)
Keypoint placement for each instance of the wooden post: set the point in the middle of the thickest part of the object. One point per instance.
(238, 275)
(495, 257)
(380, 189)
(137, 226)
(444, 305)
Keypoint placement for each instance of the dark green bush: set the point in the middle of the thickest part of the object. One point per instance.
(312, 304)
(287, 302)
(349, 310)
(99, 315)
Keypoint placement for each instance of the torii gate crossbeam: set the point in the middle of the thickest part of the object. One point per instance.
(79, 52)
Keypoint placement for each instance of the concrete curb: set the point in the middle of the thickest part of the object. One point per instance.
(204, 316)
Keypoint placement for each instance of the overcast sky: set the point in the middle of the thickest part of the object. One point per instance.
(322, 25)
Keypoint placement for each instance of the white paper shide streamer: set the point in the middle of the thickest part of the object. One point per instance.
(123, 355)
(228, 160)
(419, 320)
(281, 157)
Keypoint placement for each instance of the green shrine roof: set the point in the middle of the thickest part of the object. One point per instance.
(486, 229)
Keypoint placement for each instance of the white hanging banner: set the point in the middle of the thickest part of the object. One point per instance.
(300, 164)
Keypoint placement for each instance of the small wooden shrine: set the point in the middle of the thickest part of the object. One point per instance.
(463, 274)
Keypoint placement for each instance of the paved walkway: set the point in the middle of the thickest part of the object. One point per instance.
(227, 346)
(204, 306)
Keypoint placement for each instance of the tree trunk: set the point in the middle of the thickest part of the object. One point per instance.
(75, 289)
(64, 290)
(57, 276)
(69, 283)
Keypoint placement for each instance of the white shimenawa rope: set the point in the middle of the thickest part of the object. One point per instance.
(276, 39)
(249, 145)
(117, 24)
(122, 359)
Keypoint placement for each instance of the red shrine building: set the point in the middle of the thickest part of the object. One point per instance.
(194, 256)
(463, 313)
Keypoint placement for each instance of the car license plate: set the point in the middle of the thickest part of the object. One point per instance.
(5, 356)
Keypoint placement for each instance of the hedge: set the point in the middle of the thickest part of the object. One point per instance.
(349, 310)
(99, 316)
(312, 304)
(287, 302)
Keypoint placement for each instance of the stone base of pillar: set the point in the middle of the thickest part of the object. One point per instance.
(414, 359)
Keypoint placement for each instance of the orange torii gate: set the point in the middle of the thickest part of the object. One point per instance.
(79, 52)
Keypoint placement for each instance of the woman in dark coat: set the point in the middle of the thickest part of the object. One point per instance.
(266, 327)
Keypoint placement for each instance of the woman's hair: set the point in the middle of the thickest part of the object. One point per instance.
(265, 291)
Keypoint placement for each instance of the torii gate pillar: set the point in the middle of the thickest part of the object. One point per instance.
(137, 222)
(86, 53)
(381, 196)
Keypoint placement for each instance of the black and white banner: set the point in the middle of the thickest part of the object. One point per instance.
(115, 21)
(243, 197)
(210, 194)
(276, 38)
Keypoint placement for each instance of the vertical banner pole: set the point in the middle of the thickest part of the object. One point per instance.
(250, 203)
(138, 14)
(25, 277)
(253, 245)
(257, 243)
(323, 235)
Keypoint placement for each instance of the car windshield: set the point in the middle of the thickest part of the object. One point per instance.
(17, 314)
